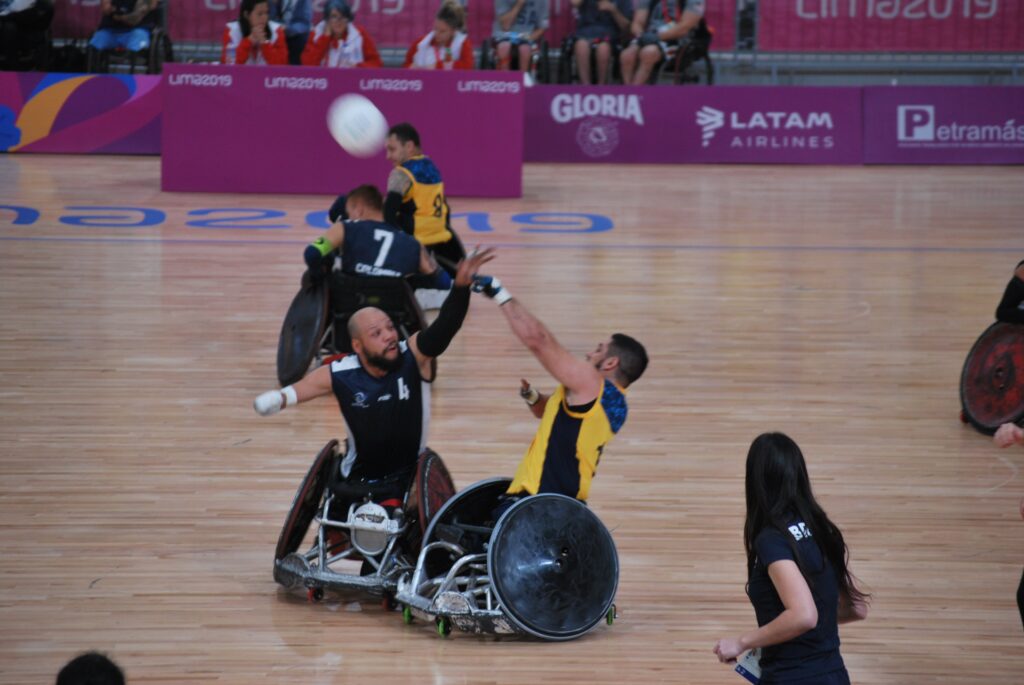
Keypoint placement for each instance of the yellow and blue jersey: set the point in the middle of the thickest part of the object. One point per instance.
(564, 454)
(424, 202)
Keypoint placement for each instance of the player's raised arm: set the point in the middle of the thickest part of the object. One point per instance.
(315, 384)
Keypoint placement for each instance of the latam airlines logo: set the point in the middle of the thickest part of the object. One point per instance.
(918, 126)
(599, 116)
(775, 130)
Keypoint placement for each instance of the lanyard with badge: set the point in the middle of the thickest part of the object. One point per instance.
(447, 61)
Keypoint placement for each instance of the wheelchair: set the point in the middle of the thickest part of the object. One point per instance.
(681, 63)
(541, 69)
(379, 523)
(30, 39)
(546, 568)
(992, 380)
(160, 50)
(316, 325)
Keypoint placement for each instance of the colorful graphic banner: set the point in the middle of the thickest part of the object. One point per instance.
(79, 113)
(923, 125)
(886, 25)
(391, 23)
(264, 130)
(787, 125)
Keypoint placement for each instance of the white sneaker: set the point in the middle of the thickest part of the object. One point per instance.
(430, 298)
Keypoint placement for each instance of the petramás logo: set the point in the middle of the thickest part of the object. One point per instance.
(919, 126)
(599, 116)
(769, 130)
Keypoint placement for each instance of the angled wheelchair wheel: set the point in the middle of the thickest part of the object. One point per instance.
(553, 566)
(992, 381)
(301, 333)
(461, 520)
(307, 501)
(434, 487)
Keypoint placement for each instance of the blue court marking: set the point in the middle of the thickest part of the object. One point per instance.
(546, 246)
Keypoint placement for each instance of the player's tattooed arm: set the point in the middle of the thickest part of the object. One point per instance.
(398, 185)
(398, 182)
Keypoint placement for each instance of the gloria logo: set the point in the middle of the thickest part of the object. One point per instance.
(774, 130)
(921, 126)
(599, 116)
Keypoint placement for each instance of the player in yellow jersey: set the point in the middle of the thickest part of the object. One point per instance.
(584, 412)
(416, 201)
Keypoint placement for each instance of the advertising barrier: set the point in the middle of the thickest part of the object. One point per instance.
(757, 125)
(79, 113)
(243, 129)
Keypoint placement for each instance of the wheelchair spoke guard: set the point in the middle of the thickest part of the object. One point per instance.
(992, 382)
(301, 333)
(307, 501)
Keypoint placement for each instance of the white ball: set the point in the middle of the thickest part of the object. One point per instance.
(357, 125)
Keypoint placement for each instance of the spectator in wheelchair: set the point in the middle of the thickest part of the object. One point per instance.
(1011, 307)
(361, 244)
(297, 18)
(338, 42)
(447, 46)
(383, 389)
(599, 26)
(798, 577)
(126, 25)
(518, 27)
(254, 38)
(659, 29)
(416, 203)
(586, 410)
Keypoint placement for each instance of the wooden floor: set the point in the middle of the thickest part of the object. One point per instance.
(141, 496)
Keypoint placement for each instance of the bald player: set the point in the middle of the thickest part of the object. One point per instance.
(383, 389)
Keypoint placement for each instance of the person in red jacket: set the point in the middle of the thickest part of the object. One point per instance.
(447, 46)
(254, 39)
(338, 42)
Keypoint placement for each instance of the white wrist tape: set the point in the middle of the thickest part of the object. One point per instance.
(268, 403)
(289, 394)
(502, 296)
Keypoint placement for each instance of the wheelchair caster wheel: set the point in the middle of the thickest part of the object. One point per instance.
(444, 626)
(387, 602)
(963, 416)
(407, 615)
(611, 615)
(315, 594)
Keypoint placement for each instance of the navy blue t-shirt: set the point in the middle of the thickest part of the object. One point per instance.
(816, 652)
(373, 248)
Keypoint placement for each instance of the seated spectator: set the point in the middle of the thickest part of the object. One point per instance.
(91, 668)
(518, 26)
(23, 25)
(447, 46)
(659, 29)
(126, 24)
(338, 42)
(599, 26)
(254, 39)
(297, 18)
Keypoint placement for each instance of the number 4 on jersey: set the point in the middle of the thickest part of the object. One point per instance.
(403, 389)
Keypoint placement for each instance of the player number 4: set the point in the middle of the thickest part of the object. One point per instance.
(403, 390)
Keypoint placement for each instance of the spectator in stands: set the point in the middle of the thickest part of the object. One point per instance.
(659, 29)
(126, 24)
(599, 25)
(91, 668)
(23, 25)
(254, 39)
(297, 18)
(518, 25)
(338, 42)
(447, 46)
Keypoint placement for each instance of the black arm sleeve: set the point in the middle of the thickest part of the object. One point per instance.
(435, 338)
(393, 212)
(1009, 308)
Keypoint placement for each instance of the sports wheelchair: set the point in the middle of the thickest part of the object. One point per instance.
(378, 522)
(544, 567)
(681, 62)
(160, 49)
(316, 324)
(992, 380)
(540, 70)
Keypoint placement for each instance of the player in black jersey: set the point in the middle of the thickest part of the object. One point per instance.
(363, 245)
(383, 390)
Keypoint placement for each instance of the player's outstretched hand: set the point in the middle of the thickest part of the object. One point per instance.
(492, 288)
(469, 266)
(1008, 434)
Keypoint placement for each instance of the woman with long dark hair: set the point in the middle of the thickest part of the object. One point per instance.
(798, 577)
(254, 39)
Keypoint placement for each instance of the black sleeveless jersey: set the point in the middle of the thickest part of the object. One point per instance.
(386, 418)
(373, 248)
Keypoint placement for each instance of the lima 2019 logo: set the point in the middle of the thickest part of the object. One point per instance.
(601, 114)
